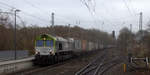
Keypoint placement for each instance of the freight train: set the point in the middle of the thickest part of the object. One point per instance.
(50, 49)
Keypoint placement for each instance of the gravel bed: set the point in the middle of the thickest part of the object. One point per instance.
(71, 67)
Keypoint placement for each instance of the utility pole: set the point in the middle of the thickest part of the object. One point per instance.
(131, 28)
(141, 31)
(130, 44)
(52, 23)
(68, 35)
(140, 21)
(69, 30)
(15, 34)
(141, 24)
(78, 22)
(52, 17)
(113, 34)
(15, 28)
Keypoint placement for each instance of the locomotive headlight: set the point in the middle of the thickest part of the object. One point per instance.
(37, 52)
(51, 52)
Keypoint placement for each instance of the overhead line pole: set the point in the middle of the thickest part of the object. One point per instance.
(69, 30)
(140, 29)
(141, 21)
(131, 28)
(52, 23)
(15, 44)
(52, 16)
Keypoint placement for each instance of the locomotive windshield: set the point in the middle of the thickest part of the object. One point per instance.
(46, 43)
(49, 43)
(40, 43)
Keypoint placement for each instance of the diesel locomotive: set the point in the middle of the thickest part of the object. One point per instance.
(51, 49)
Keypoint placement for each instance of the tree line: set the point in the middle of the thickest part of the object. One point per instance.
(26, 34)
(136, 43)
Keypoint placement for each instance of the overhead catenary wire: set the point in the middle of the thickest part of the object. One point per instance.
(25, 13)
(126, 5)
(36, 17)
(3, 7)
(16, 16)
(102, 20)
(92, 11)
(86, 3)
(34, 5)
(7, 5)
(132, 7)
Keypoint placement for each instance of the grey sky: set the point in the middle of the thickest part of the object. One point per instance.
(109, 14)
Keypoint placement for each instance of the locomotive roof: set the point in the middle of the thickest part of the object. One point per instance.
(46, 36)
(49, 37)
(60, 39)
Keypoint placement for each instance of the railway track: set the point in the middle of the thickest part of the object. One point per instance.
(98, 66)
(90, 68)
(103, 68)
(38, 69)
(89, 71)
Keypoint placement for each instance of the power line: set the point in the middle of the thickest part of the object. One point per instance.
(94, 15)
(90, 5)
(128, 7)
(38, 18)
(34, 6)
(3, 7)
(92, 11)
(7, 5)
(23, 12)
(132, 7)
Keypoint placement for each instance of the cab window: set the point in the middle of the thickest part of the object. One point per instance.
(49, 43)
(40, 43)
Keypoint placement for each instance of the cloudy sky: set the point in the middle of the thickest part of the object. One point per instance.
(106, 15)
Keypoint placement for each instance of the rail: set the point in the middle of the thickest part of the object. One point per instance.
(92, 66)
(98, 67)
